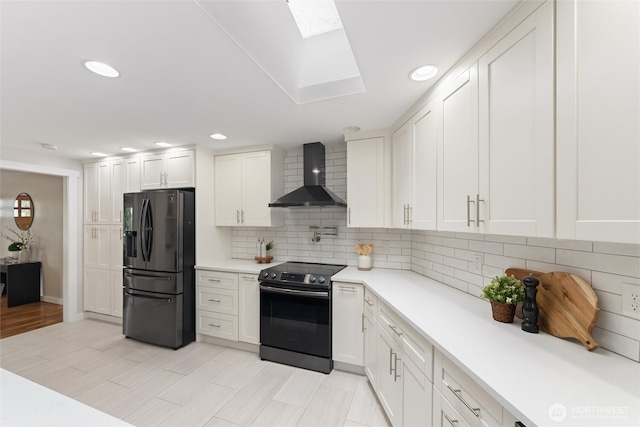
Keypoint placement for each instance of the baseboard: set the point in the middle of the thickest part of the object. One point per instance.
(103, 317)
(348, 367)
(52, 300)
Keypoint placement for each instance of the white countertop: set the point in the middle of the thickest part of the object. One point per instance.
(25, 403)
(527, 373)
(236, 266)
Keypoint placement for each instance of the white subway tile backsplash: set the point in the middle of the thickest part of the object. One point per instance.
(618, 343)
(448, 256)
(617, 264)
(617, 249)
(535, 253)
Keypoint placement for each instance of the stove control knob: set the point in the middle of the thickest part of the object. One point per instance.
(273, 275)
(265, 274)
(321, 280)
(312, 279)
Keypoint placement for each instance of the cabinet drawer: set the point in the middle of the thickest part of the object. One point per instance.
(370, 304)
(444, 414)
(414, 345)
(218, 325)
(217, 300)
(475, 405)
(218, 279)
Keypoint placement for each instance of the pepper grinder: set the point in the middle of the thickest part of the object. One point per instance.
(530, 307)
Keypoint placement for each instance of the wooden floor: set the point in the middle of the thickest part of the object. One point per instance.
(198, 385)
(27, 317)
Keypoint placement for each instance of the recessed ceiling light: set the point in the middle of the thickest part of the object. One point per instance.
(49, 146)
(350, 129)
(101, 69)
(218, 136)
(128, 149)
(315, 17)
(97, 154)
(423, 73)
(163, 144)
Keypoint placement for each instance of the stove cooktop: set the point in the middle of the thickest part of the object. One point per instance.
(298, 273)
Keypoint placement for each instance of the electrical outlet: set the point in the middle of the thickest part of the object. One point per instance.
(475, 266)
(631, 300)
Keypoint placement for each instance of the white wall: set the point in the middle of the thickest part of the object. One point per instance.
(46, 193)
(445, 256)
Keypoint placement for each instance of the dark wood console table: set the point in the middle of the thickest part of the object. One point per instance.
(22, 282)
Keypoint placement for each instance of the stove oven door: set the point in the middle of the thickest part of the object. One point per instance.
(295, 320)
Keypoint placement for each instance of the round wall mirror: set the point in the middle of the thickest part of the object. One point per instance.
(23, 211)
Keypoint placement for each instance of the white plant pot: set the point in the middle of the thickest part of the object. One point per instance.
(364, 263)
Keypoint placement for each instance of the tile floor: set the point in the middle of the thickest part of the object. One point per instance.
(199, 385)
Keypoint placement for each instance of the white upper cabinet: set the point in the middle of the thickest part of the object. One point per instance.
(244, 185)
(516, 139)
(175, 169)
(458, 153)
(598, 105)
(97, 193)
(366, 182)
(414, 172)
(495, 137)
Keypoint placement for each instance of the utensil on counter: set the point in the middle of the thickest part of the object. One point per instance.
(568, 305)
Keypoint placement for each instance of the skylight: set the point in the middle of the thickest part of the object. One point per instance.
(315, 17)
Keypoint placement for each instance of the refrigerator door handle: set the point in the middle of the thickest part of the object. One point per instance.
(148, 230)
(148, 297)
(148, 276)
(142, 228)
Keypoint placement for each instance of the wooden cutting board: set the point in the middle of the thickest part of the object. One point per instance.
(568, 306)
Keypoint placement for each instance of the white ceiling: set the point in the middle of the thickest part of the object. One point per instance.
(183, 77)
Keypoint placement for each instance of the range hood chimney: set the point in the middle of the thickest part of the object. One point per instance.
(314, 191)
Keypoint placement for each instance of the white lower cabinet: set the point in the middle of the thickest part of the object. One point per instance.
(370, 355)
(470, 402)
(217, 304)
(116, 293)
(249, 312)
(402, 368)
(228, 305)
(444, 415)
(348, 323)
(97, 290)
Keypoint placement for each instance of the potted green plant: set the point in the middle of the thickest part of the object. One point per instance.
(14, 248)
(504, 292)
(268, 246)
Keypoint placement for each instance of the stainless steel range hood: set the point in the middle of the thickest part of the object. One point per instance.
(313, 192)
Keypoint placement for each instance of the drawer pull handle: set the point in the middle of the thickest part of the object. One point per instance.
(248, 278)
(454, 423)
(368, 302)
(214, 325)
(458, 393)
(215, 280)
(363, 322)
(347, 289)
(395, 329)
(214, 300)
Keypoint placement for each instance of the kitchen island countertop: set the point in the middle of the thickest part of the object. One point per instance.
(526, 373)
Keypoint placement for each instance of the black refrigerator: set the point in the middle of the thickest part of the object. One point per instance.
(159, 260)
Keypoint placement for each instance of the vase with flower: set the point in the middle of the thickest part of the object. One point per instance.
(21, 241)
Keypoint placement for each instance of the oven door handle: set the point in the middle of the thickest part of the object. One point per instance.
(294, 292)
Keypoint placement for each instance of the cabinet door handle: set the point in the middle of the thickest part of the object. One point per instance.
(214, 325)
(405, 214)
(458, 394)
(347, 289)
(454, 423)
(242, 216)
(395, 329)
(478, 200)
(214, 300)
(469, 220)
(368, 302)
(237, 216)
(409, 214)
(390, 361)
(349, 216)
(395, 368)
(363, 322)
